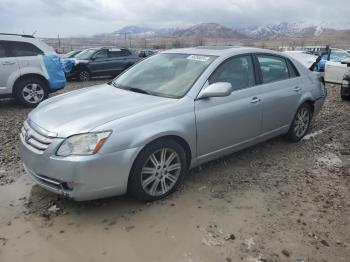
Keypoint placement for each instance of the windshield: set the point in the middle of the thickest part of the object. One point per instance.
(86, 54)
(70, 54)
(168, 75)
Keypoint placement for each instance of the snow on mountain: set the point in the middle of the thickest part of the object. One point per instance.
(209, 30)
(285, 29)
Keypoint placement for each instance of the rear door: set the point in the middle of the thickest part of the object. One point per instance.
(121, 59)
(9, 68)
(281, 91)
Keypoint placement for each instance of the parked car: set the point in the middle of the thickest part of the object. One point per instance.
(29, 69)
(146, 53)
(345, 87)
(335, 71)
(173, 111)
(101, 62)
(336, 55)
(72, 54)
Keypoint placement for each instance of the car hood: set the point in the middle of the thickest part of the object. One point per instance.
(85, 109)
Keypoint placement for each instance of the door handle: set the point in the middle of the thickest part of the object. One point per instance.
(255, 100)
(8, 63)
(297, 89)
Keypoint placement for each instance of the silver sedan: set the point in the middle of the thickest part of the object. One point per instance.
(173, 111)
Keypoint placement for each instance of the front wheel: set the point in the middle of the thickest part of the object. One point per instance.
(158, 170)
(83, 75)
(301, 123)
(31, 91)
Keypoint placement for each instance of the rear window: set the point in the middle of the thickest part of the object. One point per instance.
(23, 49)
(273, 68)
(2, 50)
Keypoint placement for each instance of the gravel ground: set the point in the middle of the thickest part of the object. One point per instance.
(276, 201)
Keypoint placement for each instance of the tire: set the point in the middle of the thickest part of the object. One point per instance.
(301, 123)
(150, 177)
(83, 75)
(31, 91)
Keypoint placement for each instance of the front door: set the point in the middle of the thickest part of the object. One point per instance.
(226, 122)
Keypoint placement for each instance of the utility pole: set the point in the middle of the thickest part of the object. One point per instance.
(59, 42)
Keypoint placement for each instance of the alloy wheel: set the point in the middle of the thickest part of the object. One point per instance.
(84, 76)
(33, 93)
(302, 122)
(161, 172)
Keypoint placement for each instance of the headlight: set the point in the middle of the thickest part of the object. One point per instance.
(83, 144)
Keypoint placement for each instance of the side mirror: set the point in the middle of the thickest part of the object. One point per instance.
(219, 89)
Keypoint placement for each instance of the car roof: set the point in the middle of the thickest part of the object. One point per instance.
(28, 39)
(219, 50)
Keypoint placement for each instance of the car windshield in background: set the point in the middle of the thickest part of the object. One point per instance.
(70, 54)
(168, 75)
(86, 54)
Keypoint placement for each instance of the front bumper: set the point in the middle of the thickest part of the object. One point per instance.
(79, 177)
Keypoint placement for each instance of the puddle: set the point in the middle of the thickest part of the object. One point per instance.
(121, 230)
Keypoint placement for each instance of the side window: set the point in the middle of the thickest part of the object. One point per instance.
(338, 56)
(115, 54)
(23, 49)
(293, 71)
(2, 50)
(103, 54)
(273, 68)
(126, 52)
(238, 71)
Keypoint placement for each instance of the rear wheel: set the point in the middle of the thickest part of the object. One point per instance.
(31, 91)
(345, 93)
(301, 123)
(158, 170)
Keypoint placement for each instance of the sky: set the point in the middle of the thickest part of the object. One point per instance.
(87, 17)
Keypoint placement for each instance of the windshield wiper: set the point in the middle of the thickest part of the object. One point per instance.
(133, 89)
(137, 90)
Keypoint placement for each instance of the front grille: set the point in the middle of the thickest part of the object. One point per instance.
(33, 140)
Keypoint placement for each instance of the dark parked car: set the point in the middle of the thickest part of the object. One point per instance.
(146, 53)
(101, 62)
(345, 88)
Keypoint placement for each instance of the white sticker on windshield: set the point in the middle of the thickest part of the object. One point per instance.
(198, 58)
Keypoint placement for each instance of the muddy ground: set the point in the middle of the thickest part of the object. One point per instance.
(276, 201)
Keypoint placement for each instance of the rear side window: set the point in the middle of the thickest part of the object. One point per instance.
(293, 72)
(238, 71)
(273, 68)
(115, 53)
(119, 53)
(2, 50)
(23, 49)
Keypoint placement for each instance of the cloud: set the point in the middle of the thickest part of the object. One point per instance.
(84, 17)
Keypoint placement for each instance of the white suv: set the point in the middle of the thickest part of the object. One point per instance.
(29, 69)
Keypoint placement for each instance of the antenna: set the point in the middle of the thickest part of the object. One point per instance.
(34, 32)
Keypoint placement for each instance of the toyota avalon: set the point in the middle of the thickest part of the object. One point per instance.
(173, 111)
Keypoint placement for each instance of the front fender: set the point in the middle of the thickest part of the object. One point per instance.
(137, 131)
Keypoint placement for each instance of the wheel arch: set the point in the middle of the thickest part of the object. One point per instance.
(178, 139)
(30, 75)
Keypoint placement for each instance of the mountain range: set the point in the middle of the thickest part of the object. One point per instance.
(265, 32)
